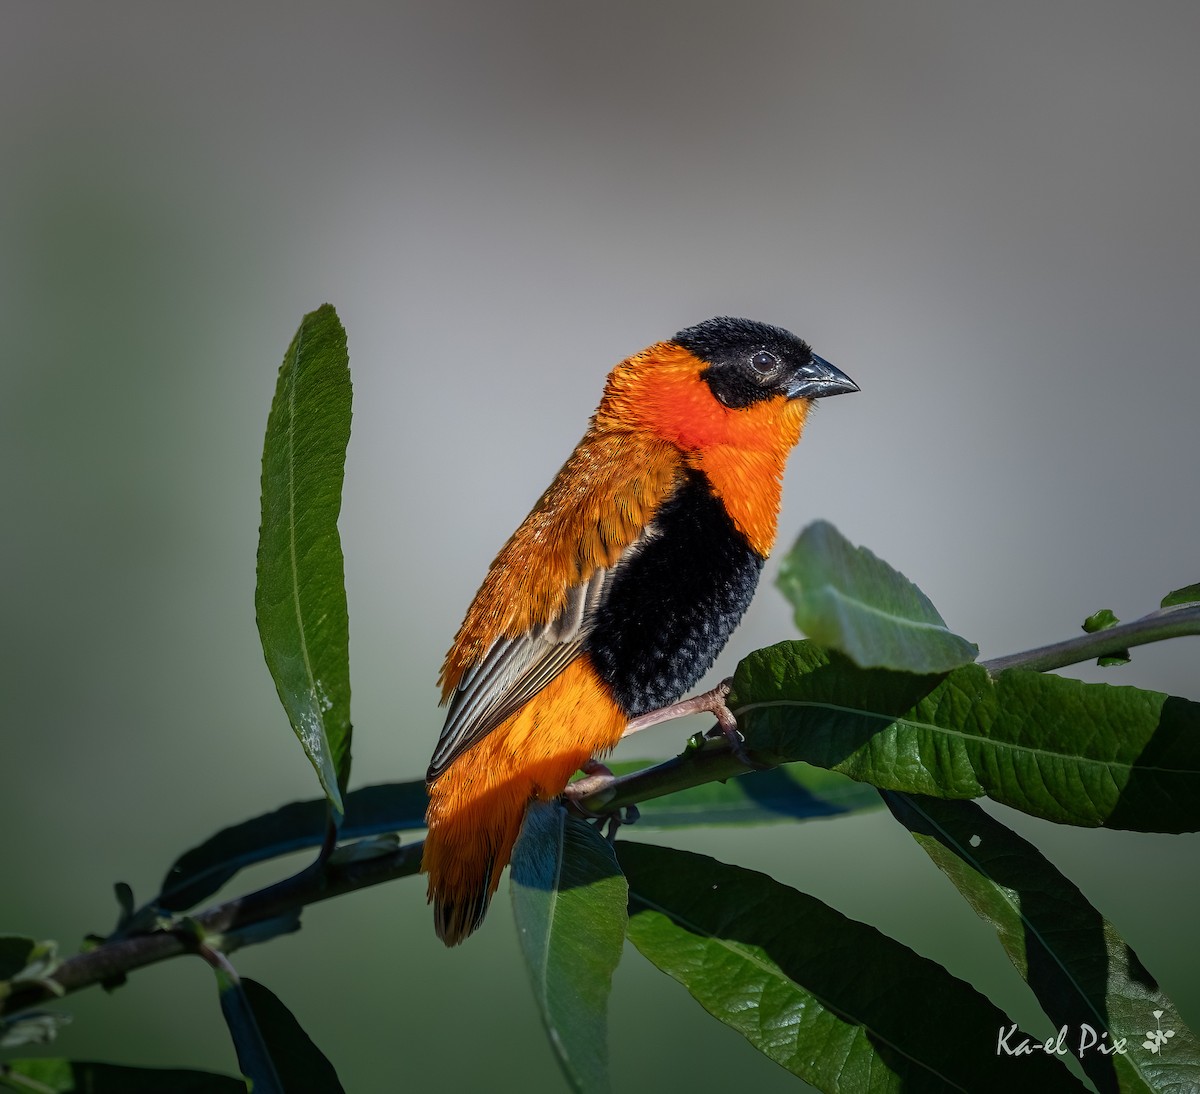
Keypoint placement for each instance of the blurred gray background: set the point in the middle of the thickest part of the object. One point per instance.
(986, 215)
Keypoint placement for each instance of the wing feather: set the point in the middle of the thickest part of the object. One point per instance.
(514, 670)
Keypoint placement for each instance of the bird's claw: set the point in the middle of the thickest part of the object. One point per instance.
(737, 744)
(594, 772)
(713, 702)
(629, 814)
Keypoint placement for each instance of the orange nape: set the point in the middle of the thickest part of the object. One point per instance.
(477, 804)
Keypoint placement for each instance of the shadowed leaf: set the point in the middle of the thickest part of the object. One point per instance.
(847, 599)
(569, 901)
(24, 961)
(1085, 754)
(1085, 975)
(791, 792)
(370, 810)
(303, 1068)
(253, 1055)
(16, 953)
(81, 1077)
(834, 1001)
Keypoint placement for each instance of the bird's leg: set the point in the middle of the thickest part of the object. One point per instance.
(594, 774)
(710, 702)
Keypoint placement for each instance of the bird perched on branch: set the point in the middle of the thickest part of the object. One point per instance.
(618, 591)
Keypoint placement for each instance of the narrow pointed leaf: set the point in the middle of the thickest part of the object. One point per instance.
(40, 1076)
(1085, 975)
(253, 1055)
(834, 1001)
(569, 900)
(300, 598)
(1085, 754)
(791, 792)
(370, 810)
(848, 600)
(303, 1068)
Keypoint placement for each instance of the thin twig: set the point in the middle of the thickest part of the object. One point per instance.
(1164, 623)
(713, 761)
(111, 960)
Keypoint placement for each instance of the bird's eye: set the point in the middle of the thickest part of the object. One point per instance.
(764, 362)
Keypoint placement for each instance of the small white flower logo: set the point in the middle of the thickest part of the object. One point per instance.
(1157, 1038)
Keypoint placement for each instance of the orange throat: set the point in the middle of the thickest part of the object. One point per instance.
(742, 451)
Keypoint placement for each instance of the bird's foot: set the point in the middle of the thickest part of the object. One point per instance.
(595, 775)
(710, 702)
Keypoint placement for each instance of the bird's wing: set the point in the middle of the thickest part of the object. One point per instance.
(514, 670)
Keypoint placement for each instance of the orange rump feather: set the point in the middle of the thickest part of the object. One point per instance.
(477, 806)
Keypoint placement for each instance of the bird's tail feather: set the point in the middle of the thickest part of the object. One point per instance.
(464, 861)
(477, 804)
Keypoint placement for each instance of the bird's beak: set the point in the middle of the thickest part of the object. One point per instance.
(819, 379)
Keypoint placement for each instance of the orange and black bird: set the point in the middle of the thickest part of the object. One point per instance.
(618, 591)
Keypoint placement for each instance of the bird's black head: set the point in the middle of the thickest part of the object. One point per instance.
(749, 362)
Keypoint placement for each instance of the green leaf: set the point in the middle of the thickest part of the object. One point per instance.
(1189, 594)
(253, 1054)
(50, 1076)
(791, 792)
(1085, 754)
(370, 810)
(303, 1068)
(1100, 621)
(1085, 975)
(23, 959)
(848, 600)
(17, 952)
(1103, 620)
(300, 598)
(834, 1001)
(31, 1027)
(569, 901)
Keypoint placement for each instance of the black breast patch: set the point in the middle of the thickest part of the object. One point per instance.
(673, 605)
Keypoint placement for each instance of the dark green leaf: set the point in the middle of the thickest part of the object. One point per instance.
(834, 1001)
(788, 793)
(1085, 754)
(124, 894)
(303, 1068)
(23, 959)
(1189, 594)
(262, 930)
(48, 1076)
(370, 810)
(847, 599)
(254, 1057)
(1085, 975)
(569, 901)
(300, 598)
(16, 952)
